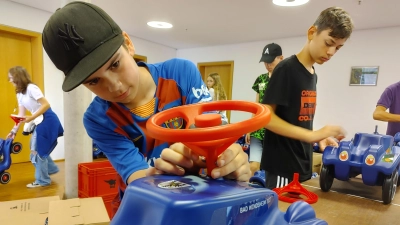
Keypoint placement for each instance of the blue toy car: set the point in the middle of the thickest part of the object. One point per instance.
(374, 156)
(97, 153)
(6, 148)
(182, 200)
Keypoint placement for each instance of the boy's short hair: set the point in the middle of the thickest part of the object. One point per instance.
(79, 39)
(337, 20)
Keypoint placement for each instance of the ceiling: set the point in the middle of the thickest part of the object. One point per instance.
(200, 23)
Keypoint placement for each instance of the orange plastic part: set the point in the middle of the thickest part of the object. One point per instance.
(17, 120)
(208, 139)
(207, 120)
(294, 191)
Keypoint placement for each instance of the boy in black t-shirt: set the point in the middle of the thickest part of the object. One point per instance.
(291, 97)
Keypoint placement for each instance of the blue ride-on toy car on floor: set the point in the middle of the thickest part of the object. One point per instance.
(6, 148)
(374, 156)
(201, 200)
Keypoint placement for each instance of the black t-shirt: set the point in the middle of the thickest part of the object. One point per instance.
(292, 89)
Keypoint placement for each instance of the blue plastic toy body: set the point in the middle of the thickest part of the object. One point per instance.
(97, 153)
(177, 200)
(5, 151)
(376, 157)
(5, 161)
(258, 179)
(6, 148)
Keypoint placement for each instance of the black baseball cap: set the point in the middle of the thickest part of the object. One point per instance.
(270, 52)
(79, 39)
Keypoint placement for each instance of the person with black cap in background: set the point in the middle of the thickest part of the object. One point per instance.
(270, 56)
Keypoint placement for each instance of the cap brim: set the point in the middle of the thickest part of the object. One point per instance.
(267, 58)
(91, 63)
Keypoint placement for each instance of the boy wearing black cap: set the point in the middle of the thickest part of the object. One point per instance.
(91, 49)
(270, 56)
(291, 96)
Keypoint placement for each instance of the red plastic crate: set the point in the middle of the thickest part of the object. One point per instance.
(97, 179)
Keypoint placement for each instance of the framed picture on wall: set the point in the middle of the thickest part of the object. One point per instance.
(364, 75)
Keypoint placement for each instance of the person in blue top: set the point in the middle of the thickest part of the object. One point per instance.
(91, 49)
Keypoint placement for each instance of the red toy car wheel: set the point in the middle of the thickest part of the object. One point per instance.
(208, 139)
(5, 177)
(16, 148)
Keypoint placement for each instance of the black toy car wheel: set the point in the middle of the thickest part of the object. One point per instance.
(5, 177)
(389, 187)
(326, 178)
(398, 180)
(16, 148)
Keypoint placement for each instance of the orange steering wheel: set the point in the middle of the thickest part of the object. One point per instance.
(208, 139)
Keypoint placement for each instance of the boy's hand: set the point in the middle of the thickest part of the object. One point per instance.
(327, 142)
(233, 163)
(178, 159)
(328, 131)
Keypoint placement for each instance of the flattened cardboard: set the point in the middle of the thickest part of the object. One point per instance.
(317, 162)
(32, 211)
(78, 211)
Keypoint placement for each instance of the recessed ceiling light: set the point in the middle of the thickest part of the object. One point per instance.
(158, 24)
(289, 2)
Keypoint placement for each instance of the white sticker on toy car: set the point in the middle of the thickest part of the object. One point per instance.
(173, 184)
(344, 156)
(370, 160)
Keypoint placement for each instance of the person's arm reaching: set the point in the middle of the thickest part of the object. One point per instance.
(44, 106)
(381, 115)
(281, 127)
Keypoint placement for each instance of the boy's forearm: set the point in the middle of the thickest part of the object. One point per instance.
(283, 128)
(136, 175)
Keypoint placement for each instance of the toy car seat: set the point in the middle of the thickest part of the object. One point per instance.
(363, 142)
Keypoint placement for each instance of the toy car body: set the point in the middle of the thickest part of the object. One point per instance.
(374, 156)
(6, 148)
(181, 200)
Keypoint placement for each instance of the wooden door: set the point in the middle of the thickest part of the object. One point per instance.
(140, 58)
(225, 71)
(17, 48)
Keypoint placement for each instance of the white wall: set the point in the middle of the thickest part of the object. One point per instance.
(338, 103)
(28, 18)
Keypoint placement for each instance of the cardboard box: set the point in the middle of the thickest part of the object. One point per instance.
(78, 211)
(32, 211)
(317, 162)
